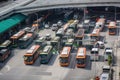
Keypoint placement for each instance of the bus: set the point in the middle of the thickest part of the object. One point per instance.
(65, 27)
(73, 25)
(69, 43)
(55, 41)
(81, 57)
(6, 45)
(112, 28)
(100, 24)
(46, 54)
(79, 36)
(95, 34)
(16, 37)
(60, 32)
(31, 55)
(94, 54)
(26, 40)
(4, 54)
(65, 56)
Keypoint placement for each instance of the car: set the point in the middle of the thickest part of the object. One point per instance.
(54, 27)
(47, 26)
(108, 52)
(92, 24)
(59, 23)
(100, 45)
(48, 37)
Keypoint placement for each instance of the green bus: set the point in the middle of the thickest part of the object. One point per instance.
(6, 45)
(46, 54)
(41, 41)
(55, 41)
(69, 43)
(60, 32)
(26, 40)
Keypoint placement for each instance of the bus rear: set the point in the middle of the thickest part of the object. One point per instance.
(112, 28)
(31, 55)
(46, 54)
(81, 57)
(65, 56)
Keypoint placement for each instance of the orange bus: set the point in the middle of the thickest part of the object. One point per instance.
(95, 34)
(65, 56)
(32, 54)
(16, 36)
(100, 24)
(81, 57)
(112, 28)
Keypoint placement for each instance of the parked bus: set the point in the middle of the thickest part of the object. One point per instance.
(79, 36)
(46, 54)
(81, 57)
(32, 54)
(100, 24)
(60, 32)
(65, 56)
(94, 54)
(6, 45)
(95, 34)
(16, 37)
(69, 43)
(26, 40)
(112, 28)
(4, 54)
(55, 41)
(41, 41)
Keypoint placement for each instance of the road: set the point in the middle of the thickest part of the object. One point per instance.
(15, 69)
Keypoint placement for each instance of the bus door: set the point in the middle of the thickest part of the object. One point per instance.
(81, 57)
(32, 54)
(65, 56)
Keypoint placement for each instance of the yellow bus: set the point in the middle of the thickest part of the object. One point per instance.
(81, 57)
(112, 28)
(65, 56)
(32, 54)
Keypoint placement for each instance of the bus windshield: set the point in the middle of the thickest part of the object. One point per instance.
(94, 52)
(63, 59)
(80, 61)
(28, 58)
(43, 56)
(112, 29)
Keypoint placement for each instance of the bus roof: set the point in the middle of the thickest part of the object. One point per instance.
(65, 52)
(17, 35)
(6, 43)
(33, 49)
(2, 51)
(26, 37)
(81, 53)
(66, 26)
(46, 49)
(112, 24)
(80, 33)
